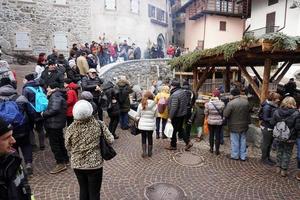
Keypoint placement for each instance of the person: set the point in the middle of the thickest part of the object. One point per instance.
(177, 106)
(13, 179)
(84, 149)
(52, 75)
(82, 64)
(163, 116)
(297, 127)
(92, 83)
(130, 53)
(288, 114)
(53, 56)
(124, 90)
(197, 118)
(290, 88)
(153, 88)
(214, 113)
(177, 52)
(237, 114)
(72, 98)
(36, 118)
(268, 108)
(88, 96)
(137, 52)
(55, 121)
(171, 51)
(91, 61)
(73, 72)
(62, 64)
(41, 64)
(146, 113)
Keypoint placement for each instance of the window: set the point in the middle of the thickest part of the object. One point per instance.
(271, 2)
(60, 2)
(135, 6)
(222, 26)
(60, 41)
(270, 22)
(160, 15)
(110, 4)
(151, 11)
(22, 41)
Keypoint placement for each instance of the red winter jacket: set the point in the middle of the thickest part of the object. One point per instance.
(72, 98)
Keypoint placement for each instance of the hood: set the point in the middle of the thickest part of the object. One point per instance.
(7, 91)
(122, 83)
(151, 103)
(60, 92)
(186, 87)
(269, 103)
(174, 90)
(107, 85)
(31, 84)
(285, 112)
(73, 86)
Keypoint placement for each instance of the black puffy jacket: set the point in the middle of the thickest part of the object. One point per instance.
(89, 84)
(177, 103)
(112, 93)
(49, 77)
(55, 115)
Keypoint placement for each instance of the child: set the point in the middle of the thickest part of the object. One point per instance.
(72, 98)
(197, 118)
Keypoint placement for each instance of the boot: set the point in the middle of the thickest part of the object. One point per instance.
(150, 150)
(298, 176)
(283, 173)
(144, 147)
(217, 148)
(211, 148)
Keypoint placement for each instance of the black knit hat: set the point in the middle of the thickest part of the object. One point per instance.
(175, 83)
(30, 77)
(235, 92)
(4, 127)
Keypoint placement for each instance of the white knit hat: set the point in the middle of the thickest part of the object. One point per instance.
(82, 110)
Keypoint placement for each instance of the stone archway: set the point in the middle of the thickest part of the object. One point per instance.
(161, 44)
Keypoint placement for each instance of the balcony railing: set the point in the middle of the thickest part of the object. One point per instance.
(261, 31)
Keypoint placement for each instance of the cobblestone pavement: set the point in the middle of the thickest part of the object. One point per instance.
(126, 176)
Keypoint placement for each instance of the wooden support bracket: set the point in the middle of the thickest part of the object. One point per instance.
(278, 71)
(256, 74)
(281, 75)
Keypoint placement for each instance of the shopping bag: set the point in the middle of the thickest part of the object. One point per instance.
(205, 126)
(134, 130)
(169, 130)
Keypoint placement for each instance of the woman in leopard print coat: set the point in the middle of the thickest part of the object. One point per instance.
(82, 141)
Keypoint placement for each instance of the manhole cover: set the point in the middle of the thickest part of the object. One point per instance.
(164, 191)
(188, 159)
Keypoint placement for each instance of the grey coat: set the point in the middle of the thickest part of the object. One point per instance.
(178, 103)
(238, 115)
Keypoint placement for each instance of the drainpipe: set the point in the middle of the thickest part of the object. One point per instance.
(204, 31)
(285, 11)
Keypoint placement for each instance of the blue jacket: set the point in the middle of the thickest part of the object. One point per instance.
(268, 111)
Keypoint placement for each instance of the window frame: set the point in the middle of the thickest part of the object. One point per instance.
(138, 8)
(160, 15)
(151, 11)
(111, 9)
(223, 26)
(272, 2)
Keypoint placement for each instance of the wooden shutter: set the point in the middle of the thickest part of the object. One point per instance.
(270, 22)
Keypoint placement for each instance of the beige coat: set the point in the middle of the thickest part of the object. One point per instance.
(82, 65)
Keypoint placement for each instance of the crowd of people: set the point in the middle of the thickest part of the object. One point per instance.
(69, 94)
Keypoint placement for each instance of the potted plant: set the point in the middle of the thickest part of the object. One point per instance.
(278, 41)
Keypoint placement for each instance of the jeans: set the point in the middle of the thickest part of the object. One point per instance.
(113, 124)
(177, 123)
(147, 135)
(57, 144)
(284, 154)
(124, 120)
(39, 127)
(238, 145)
(24, 144)
(90, 181)
(298, 152)
(164, 122)
(266, 143)
(215, 134)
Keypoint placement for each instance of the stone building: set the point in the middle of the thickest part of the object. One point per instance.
(38, 26)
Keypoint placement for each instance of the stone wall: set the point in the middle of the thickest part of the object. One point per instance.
(140, 72)
(41, 19)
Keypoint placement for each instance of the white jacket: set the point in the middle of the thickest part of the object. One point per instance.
(147, 117)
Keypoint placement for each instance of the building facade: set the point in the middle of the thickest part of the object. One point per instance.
(36, 26)
(209, 23)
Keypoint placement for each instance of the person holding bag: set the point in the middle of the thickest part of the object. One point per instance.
(146, 114)
(84, 149)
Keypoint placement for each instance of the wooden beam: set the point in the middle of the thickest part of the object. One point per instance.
(266, 80)
(281, 75)
(240, 75)
(249, 78)
(203, 78)
(256, 74)
(278, 70)
(227, 80)
(195, 79)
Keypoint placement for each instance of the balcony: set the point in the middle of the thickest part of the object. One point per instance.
(261, 31)
(179, 20)
(199, 8)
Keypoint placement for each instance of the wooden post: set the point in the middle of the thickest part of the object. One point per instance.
(227, 79)
(202, 78)
(281, 75)
(195, 79)
(240, 75)
(266, 80)
(256, 74)
(213, 81)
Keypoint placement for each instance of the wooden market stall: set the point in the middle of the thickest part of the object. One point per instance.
(245, 56)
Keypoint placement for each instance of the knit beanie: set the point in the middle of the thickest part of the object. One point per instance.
(235, 92)
(86, 95)
(30, 77)
(175, 83)
(82, 110)
(4, 127)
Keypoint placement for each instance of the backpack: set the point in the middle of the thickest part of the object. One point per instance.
(41, 101)
(10, 112)
(162, 105)
(281, 130)
(123, 95)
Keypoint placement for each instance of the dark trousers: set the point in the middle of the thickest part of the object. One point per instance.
(215, 135)
(164, 122)
(113, 124)
(39, 127)
(24, 144)
(266, 143)
(124, 120)
(70, 120)
(99, 109)
(188, 126)
(57, 144)
(147, 135)
(90, 181)
(177, 123)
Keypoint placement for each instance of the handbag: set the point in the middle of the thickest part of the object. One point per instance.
(106, 150)
(205, 126)
(134, 128)
(224, 120)
(169, 130)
